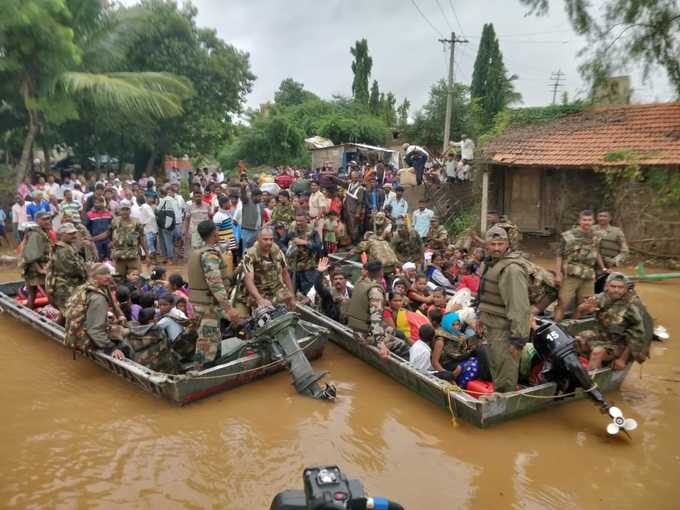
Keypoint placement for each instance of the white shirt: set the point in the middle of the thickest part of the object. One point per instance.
(390, 197)
(77, 196)
(147, 217)
(450, 168)
(467, 149)
(19, 215)
(422, 220)
(420, 356)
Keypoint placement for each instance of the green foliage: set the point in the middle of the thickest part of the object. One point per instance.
(529, 115)
(292, 92)
(462, 221)
(622, 33)
(374, 99)
(428, 125)
(388, 109)
(491, 88)
(361, 67)
(402, 113)
(666, 184)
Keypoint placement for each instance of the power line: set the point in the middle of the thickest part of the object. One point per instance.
(444, 14)
(425, 18)
(453, 9)
(449, 99)
(555, 78)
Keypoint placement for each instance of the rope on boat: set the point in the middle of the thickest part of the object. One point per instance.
(457, 389)
(262, 367)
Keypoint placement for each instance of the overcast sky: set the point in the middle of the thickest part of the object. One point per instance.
(310, 40)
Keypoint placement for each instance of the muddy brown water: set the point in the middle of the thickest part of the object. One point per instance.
(74, 436)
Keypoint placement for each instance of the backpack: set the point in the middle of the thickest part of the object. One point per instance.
(74, 314)
(165, 218)
(381, 250)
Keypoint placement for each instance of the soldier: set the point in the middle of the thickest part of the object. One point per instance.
(283, 211)
(613, 246)
(383, 226)
(377, 249)
(619, 331)
(304, 249)
(353, 206)
(575, 265)
(494, 219)
(542, 288)
(35, 255)
(265, 276)
(83, 241)
(438, 237)
(149, 344)
(365, 313)
(127, 235)
(407, 244)
(504, 309)
(209, 285)
(86, 313)
(66, 269)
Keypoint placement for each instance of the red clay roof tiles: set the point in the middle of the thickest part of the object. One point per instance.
(648, 133)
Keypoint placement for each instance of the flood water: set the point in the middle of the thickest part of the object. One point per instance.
(74, 436)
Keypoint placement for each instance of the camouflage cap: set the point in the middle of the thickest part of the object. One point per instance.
(615, 276)
(42, 214)
(67, 228)
(496, 233)
(100, 268)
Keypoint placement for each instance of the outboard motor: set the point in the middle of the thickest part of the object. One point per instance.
(562, 366)
(275, 326)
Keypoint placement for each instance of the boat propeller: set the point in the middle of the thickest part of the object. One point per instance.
(620, 423)
(275, 326)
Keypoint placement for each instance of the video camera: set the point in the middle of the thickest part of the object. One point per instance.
(327, 488)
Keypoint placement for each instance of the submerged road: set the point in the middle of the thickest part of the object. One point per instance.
(74, 436)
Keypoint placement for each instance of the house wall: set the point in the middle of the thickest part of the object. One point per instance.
(332, 154)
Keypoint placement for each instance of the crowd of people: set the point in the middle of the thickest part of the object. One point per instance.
(462, 309)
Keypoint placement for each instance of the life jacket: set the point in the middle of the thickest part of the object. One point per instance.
(75, 313)
(489, 296)
(124, 238)
(200, 292)
(21, 263)
(609, 241)
(358, 316)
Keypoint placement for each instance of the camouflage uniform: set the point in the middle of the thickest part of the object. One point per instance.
(209, 284)
(613, 246)
(34, 256)
(150, 348)
(378, 249)
(87, 251)
(65, 271)
(283, 213)
(542, 288)
(268, 278)
(514, 234)
(365, 315)
(126, 237)
(86, 312)
(619, 325)
(302, 258)
(579, 251)
(453, 347)
(438, 237)
(409, 249)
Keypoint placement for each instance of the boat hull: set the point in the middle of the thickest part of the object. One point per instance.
(179, 389)
(477, 411)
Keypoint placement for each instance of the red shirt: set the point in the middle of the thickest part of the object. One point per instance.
(284, 181)
(470, 281)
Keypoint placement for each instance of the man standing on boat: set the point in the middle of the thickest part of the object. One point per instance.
(365, 313)
(613, 246)
(210, 285)
(35, 255)
(504, 309)
(266, 280)
(66, 269)
(127, 236)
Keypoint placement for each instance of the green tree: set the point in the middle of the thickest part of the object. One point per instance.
(374, 99)
(53, 51)
(361, 67)
(428, 124)
(624, 32)
(491, 88)
(402, 113)
(291, 92)
(389, 109)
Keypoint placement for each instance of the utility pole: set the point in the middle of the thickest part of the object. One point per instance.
(556, 78)
(449, 99)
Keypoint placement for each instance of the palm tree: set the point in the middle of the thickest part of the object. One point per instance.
(62, 54)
